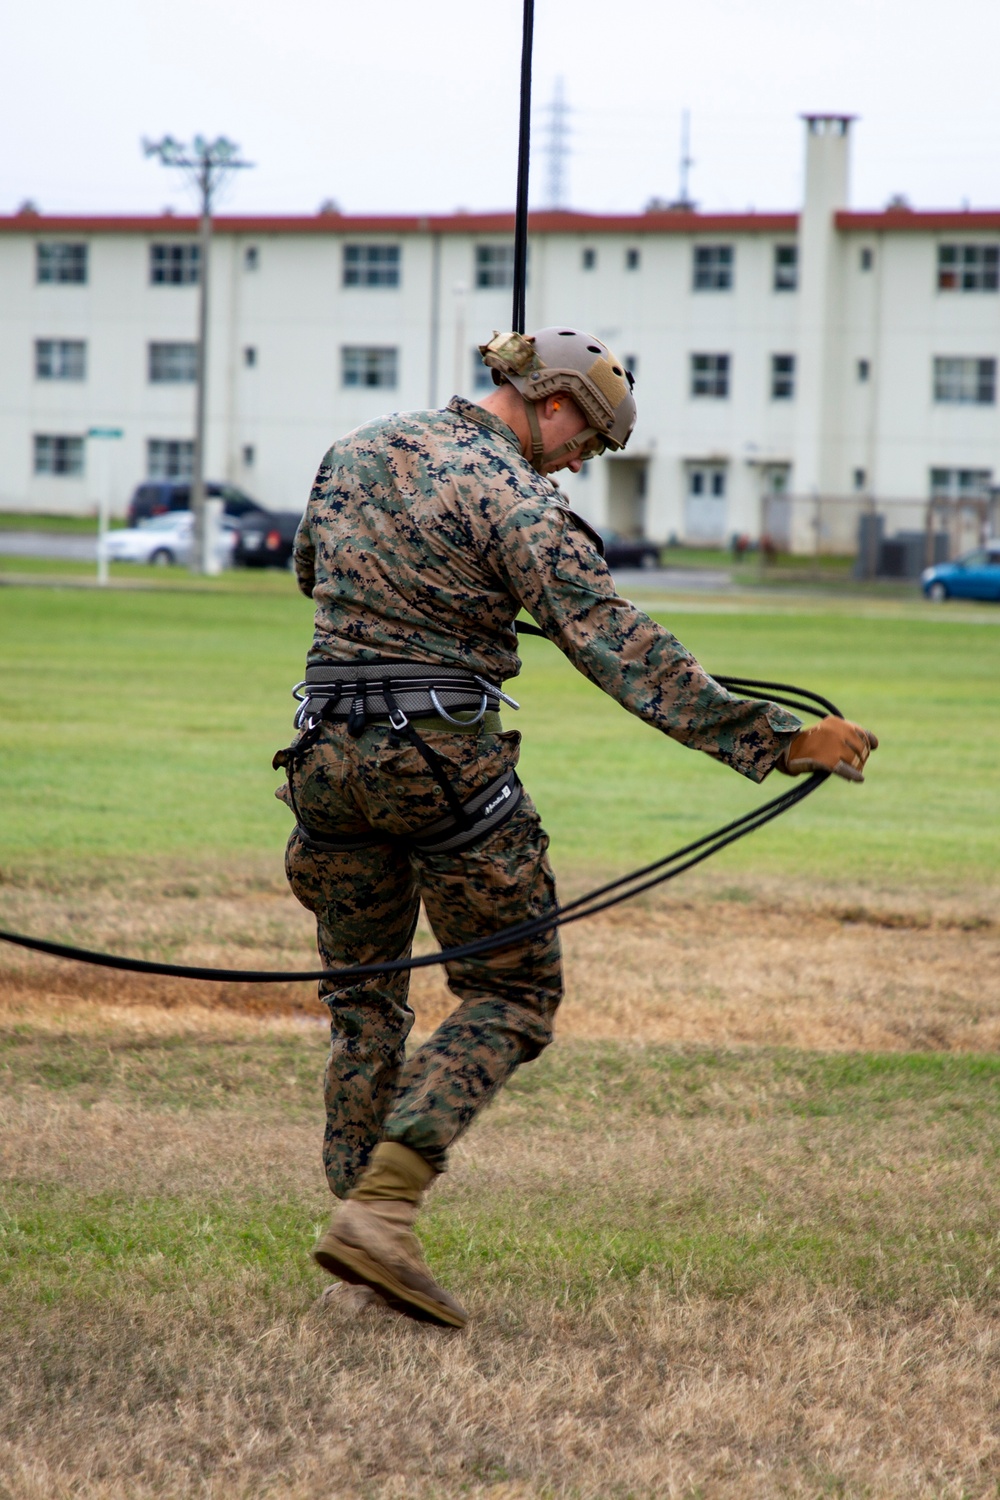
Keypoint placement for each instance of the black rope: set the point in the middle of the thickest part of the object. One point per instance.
(523, 168)
(624, 888)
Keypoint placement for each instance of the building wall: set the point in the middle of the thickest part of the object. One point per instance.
(270, 422)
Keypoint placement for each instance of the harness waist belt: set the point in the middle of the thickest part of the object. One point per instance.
(484, 812)
(356, 692)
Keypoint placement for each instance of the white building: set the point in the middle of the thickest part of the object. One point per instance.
(828, 353)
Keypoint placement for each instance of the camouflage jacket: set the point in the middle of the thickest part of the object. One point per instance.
(427, 532)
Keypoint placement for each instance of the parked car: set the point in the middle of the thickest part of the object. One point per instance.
(629, 552)
(974, 576)
(266, 538)
(159, 496)
(164, 540)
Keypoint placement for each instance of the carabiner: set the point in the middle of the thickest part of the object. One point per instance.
(488, 687)
(446, 715)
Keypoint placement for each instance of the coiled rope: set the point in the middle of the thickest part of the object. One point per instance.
(624, 888)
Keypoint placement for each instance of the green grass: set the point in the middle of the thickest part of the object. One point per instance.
(845, 1171)
(143, 724)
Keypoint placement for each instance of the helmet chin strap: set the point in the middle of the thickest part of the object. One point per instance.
(539, 457)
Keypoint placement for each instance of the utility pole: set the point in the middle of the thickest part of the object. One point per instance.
(557, 147)
(206, 164)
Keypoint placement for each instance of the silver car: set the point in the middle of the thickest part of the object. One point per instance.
(165, 540)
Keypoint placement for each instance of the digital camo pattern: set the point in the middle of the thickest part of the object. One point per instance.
(366, 905)
(427, 532)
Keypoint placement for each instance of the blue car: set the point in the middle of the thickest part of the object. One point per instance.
(974, 576)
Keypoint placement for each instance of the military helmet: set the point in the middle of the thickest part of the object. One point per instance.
(564, 359)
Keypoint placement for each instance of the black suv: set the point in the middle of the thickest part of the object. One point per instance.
(157, 496)
(266, 538)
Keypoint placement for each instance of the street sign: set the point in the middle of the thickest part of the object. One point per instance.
(106, 432)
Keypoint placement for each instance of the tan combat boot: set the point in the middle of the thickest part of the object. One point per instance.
(370, 1240)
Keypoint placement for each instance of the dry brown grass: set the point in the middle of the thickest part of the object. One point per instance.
(222, 1384)
(834, 971)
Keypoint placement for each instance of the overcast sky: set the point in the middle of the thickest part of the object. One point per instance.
(396, 106)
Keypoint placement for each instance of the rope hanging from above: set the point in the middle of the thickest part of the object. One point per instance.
(523, 170)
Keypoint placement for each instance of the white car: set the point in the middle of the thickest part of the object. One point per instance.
(163, 540)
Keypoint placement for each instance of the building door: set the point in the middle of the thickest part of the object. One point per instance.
(705, 504)
(627, 497)
(776, 505)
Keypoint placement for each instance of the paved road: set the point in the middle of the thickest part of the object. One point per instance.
(66, 546)
(674, 580)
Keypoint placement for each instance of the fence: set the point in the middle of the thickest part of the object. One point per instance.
(888, 538)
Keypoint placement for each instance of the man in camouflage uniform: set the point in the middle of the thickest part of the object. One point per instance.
(425, 535)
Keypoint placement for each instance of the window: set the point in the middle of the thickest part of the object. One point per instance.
(368, 366)
(710, 480)
(173, 364)
(169, 458)
(786, 268)
(250, 356)
(60, 261)
(371, 265)
(960, 484)
(860, 479)
(174, 265)
(482, 375)
(60, 359)
(713, 268)
(967, 382)
(632, 259)
(782, 377)
(58, 455)
(251, 258)
(588, 259)
(248, 455)
(864, 369)
(866, 258)
(968, 268)
(710, 375)
(494, 265)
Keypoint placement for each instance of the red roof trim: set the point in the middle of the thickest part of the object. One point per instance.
(920, 220)
(662, 221)
(551, 222)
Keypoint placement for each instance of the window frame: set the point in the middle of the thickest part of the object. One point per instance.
(58, 369)
(59, 446)
(179, 261)
(713, 267)
(714, 377)
(180, 448)
(375, 263)
(972, 266)
(493, 266)
(964, 380)
(359, 361)
(171, 361)
(784, 378)
(785, 273)
(62, 253)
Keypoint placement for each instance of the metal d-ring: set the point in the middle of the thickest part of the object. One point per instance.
(445, 715)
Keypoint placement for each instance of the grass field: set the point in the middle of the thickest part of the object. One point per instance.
(737, 1234)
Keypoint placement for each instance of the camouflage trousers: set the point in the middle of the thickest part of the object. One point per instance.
(366, 904)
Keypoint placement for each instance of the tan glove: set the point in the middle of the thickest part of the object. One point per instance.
(834, 745)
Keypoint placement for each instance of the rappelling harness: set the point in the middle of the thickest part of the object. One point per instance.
(394, 694)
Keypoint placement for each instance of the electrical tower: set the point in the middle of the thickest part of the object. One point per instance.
(684, 199)
(557, 149)
(206, 166)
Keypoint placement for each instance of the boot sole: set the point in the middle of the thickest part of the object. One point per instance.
(353, 1264)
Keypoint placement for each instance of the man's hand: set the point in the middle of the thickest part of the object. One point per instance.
(834, 745)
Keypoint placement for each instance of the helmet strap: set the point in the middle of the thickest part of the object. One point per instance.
(539, 457)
